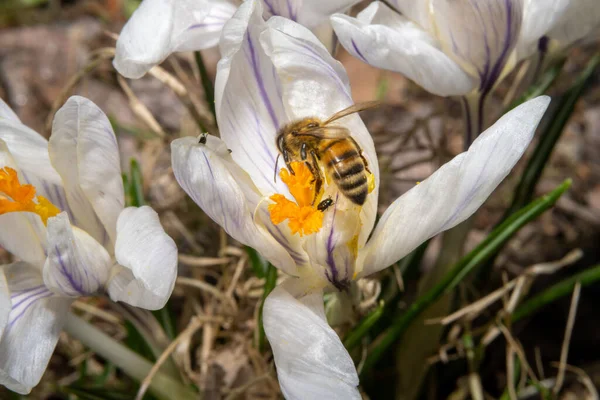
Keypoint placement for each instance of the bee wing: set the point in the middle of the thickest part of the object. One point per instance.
(328, 132)
(351, 110)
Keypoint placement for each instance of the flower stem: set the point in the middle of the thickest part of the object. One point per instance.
(473, 113)
(207, 84)
(162, 386)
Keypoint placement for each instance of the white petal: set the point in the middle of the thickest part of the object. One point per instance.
(5, 303)
(98, 159)
(225, 193)
(149, 256)
(480, 36)
(310, 13)
(34, 323)
(77, 265)
(282, 234)
(71, 151)
(385, 39)
(539, 17)
(286, 8)
(159, 27)
(455, 191)
(580, 19)
(311, 361)
(248, 99)
(314, 84)
(21, 233)
(333, 247)
(30, 151)
(416, 11)
(7, 113)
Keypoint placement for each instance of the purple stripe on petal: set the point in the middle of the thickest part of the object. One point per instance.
(331, 248)
(16, 293)
(27, 294)
(292, 15)
(14, 318)
(320, 62)
(298, 258)
(260, 82)
(358, 52)
(78, 286)
(490, 75)
(206, 25)
(280, 237)
(270, 7)
(333, 274)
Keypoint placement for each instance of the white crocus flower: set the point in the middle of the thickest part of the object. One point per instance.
(160, 27)
(456, 47)
(62, 215)
(275, 72)
(449, 47)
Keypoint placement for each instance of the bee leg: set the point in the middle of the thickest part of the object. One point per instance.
(286, 158)
(303, 151)
(366, 163)
(318, 185)
(314, 168)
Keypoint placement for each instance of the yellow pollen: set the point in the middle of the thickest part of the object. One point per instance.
(303, 218)
(15, 196)
(371, 182)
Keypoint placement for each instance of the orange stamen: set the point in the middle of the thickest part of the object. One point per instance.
(19, 197)
(301, 184)
(304, 219)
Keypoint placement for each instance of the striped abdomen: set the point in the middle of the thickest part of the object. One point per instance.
(343, 162)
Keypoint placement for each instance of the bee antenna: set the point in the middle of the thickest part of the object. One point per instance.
(275, 171)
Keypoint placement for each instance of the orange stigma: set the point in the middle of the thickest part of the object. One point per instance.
(15, 196)
(304, 219)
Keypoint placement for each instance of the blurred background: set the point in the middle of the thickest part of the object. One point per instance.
(50, 49)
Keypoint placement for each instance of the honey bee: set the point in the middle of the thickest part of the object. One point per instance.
(317, 143)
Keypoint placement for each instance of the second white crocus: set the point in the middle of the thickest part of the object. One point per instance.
(275, 72)
(160, 27)
(449, 48)
(452, 48)
(62, 215)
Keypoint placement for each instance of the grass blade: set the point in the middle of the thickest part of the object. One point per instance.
(541, 86)
(259, 264)
(555, 292)
(495, 240)
(354, 337)
(270, 282)
(207, 84)
(136, 187)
